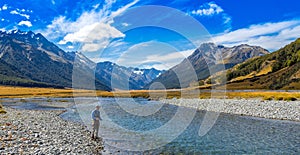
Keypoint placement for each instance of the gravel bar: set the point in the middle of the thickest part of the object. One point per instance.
(283, 110)
(44, 132)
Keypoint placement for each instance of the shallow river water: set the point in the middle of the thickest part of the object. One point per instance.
(126, 132)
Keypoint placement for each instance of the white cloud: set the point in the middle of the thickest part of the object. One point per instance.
(102, 59)
(93, 47)
(227, 19)
(152, 54)
(125, 24)
(94, 32)
(25, 23)
(271, 36)
(121, 10)
(15, 12)
(212, 9)
(208, 9)
(96, 6)
(4, 7)
(92, 29)
(70, 47)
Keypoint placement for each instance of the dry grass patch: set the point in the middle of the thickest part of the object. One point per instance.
(287, 96)
(2, 111)
(21, 92)
(25, 92)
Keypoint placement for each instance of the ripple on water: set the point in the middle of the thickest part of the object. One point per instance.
(231, 134)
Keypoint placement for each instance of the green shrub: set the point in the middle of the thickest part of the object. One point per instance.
(268, 98)
(280, 98)
(23, 100)
(63, 101)
(290, 99)
(2, 111)
(49, 100)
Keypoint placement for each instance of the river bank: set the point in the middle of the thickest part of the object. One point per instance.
(283, 110)
(43, 132)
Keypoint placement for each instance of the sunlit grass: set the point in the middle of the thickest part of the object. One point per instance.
(25, 92)
(243, 77)
(287, 96)
(2, 111)
(21, 92)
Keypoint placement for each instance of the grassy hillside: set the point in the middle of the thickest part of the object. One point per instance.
(205, 61)
(277, 70)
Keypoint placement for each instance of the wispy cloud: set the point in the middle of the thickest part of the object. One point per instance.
(152, 54)
(15, 12)
(25, 23)
(208, 9)
(96, 6)
(166, 61)
(53, 2)
(120, 11)
(70, 47)
(212, 9)
(271, 36)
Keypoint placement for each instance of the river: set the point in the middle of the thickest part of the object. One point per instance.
(126, 132)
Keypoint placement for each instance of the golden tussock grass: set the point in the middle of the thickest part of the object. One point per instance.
(22, 92)
(2, 111)
(288, 96)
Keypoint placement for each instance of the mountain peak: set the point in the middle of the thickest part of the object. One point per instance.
(244, 46)
(207, 45)
(35, 61)
(19, 32)
(22, 35)
(276, 70)
(208, 56)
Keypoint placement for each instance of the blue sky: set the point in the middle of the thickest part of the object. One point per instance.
(141, 33)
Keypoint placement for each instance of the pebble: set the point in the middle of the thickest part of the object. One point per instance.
(45, 133)
(282, 110)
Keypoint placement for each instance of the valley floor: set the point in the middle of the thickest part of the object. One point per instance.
(43, 132)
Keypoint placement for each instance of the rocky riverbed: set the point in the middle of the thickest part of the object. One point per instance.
(43, 132)
(266, 109)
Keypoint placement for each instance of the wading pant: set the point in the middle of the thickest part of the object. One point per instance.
(96, 125)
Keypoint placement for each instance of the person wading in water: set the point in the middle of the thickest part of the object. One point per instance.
(96, 122)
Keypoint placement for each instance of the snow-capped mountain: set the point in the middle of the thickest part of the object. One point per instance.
(29, 59)
(207, 57)
(120, 77)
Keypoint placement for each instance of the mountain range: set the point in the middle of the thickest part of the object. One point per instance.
(124, 78)
(205, 61)
(29, 59)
